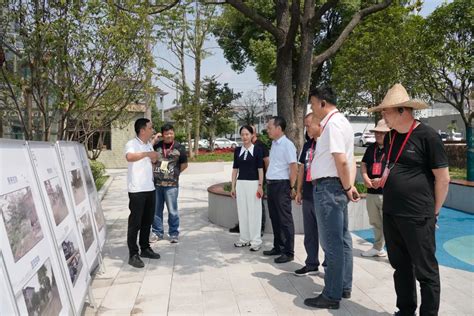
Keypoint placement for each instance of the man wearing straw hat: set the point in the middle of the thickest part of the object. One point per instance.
(371, 168)
(415, 184)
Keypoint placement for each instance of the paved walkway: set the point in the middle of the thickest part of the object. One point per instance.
(205, 274)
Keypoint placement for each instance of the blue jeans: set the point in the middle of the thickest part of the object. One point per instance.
(330, 203)
(168, 195)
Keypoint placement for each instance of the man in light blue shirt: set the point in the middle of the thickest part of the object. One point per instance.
(281, 180)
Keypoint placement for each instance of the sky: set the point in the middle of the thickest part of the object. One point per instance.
(216, 65)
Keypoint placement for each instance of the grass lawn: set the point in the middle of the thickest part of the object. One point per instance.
(99, 183)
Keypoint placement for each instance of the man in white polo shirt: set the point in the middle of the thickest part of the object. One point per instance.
(281, 178)
(141, 192)
(333, 173)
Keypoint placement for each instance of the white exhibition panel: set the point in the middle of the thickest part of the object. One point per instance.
(99, 218)
(62, 218)
(7, 297)
(76, 185)
(27, 244)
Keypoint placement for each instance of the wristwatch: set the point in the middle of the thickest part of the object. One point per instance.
(347, 190)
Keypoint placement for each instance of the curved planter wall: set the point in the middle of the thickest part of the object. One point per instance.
(222, 211)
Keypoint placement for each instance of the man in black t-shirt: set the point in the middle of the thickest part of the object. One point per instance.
(304, 197)
(415, 184)
(371, 169)
(172, 160)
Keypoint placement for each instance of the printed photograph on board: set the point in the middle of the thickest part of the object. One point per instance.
(21, 221)
(77, 186)
(57, 199)
(98, 214)
(41, 293)
(87, 176)
(72, 256)
(85, 226)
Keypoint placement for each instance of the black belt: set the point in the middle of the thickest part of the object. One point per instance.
(325, 179)
(277, 181)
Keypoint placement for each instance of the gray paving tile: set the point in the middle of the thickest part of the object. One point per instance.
(204, 274)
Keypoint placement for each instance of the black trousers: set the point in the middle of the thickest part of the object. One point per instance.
(279, 209)
(142, 211)
(411, 248)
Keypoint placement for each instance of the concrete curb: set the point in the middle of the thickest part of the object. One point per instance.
(105, 188)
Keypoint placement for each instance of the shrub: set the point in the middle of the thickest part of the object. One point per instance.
(457, 155)
(98, 169)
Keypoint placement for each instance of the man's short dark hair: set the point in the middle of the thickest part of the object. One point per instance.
(140, 124)
(324, 93)
(167, 127)
(279, 121)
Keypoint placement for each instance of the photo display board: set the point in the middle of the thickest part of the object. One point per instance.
(7, 297)
(26, 240)
(62, 218)
(99, 218)
(76, 185)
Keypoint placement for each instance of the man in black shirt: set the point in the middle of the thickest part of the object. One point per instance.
(172, 160)
(415, 184)
(304, 196)
(371, 168)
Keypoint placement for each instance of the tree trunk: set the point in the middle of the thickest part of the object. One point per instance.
(197, 82)
(470, 151)
(285, 91)
(303, 76)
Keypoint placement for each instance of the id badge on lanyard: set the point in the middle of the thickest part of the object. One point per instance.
(383, 179)
(377, 168)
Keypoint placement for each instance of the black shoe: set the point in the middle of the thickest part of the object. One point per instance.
(149, 253)
(136, 262)
(283, 259)
(321, 302)
(399, 313)
(346, 294)
(272, 252)
(305, 271)
(235, 229)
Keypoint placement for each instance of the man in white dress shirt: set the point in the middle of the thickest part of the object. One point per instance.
(141, 192)
(333, 173)
(281, 180)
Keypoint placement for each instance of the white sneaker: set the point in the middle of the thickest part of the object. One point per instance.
(374, 253)
(154, 238)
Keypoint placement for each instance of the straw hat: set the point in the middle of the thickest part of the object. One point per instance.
(397, 97)
(381, 127)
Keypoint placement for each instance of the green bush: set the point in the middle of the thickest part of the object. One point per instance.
(98, 169)
(360, 187)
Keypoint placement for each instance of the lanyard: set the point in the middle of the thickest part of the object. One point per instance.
(328, 121)
(381, 159)
(166, 152)
(403, 145)
(311, 152)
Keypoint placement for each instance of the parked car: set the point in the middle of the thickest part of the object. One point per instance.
(364, 139)
(443, 136)
(456, 136)
(224, 143)
(203, 143)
